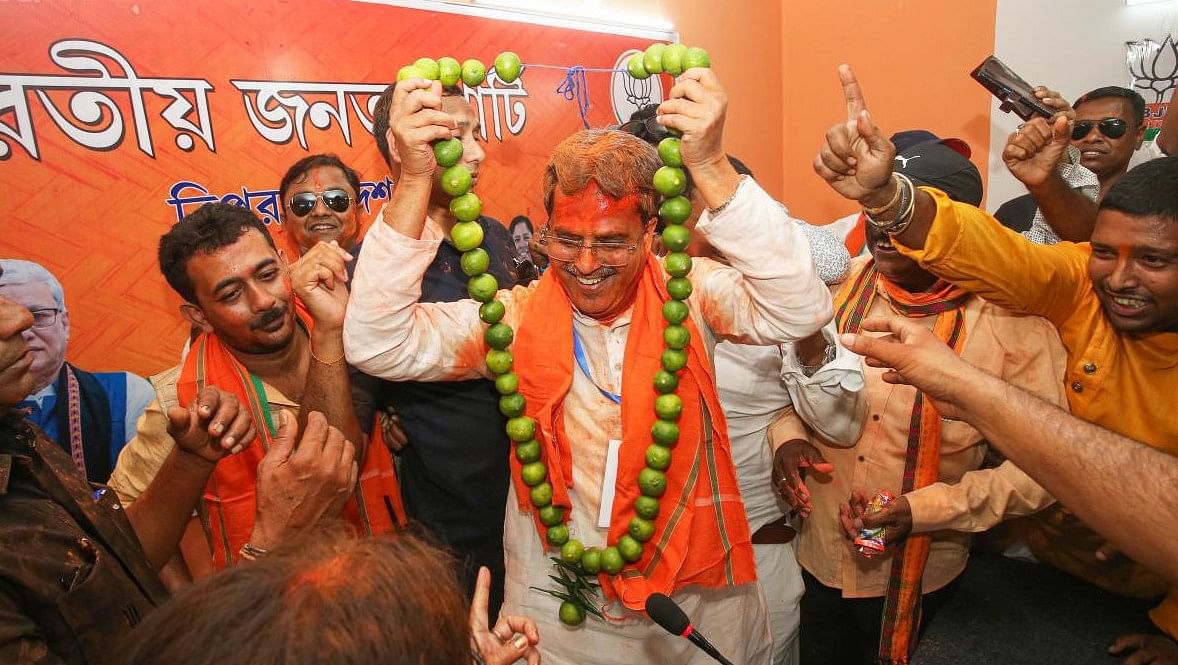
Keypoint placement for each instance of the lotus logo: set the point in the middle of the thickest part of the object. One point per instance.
(1153, 66)
(629, 94)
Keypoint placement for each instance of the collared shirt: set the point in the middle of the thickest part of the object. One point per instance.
(128, 394)
(1077, 177)
(1023, 350)
(1121, 382)
(769, 295)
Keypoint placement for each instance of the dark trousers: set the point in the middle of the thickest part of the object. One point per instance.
(845, 631)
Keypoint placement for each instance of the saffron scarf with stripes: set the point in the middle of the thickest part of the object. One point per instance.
(701, 534)
(901, 613)
(228, 509)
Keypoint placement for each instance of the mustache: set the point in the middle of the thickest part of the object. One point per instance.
(269, 316)
(602, 271)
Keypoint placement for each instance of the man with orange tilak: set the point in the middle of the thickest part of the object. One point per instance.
(604, 292)
(1114, 301)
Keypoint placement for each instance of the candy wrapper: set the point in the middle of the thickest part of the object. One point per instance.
(871, 541)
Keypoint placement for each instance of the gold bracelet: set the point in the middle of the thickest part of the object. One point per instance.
(322, 361)
(895, 197)
(712, 212)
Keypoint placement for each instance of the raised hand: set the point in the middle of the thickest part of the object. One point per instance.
(696, 107)
(319, 278)
(300, 486)
(856, 159)
(511, 639)
(1054, 101)
(788, 464)
(214, 425)
(1033, 152)
(416, 121)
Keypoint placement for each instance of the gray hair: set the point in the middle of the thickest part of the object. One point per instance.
(15, 271)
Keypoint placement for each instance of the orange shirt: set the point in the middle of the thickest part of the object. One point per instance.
(1125, 383)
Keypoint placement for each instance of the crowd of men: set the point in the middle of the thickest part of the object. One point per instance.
(861, 401)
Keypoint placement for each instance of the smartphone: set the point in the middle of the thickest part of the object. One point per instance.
(1015, 94)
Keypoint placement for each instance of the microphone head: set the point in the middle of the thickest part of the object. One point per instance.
(663, 611)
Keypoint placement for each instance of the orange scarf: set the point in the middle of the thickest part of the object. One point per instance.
(701, 534)
(901, 616)
(229, 499)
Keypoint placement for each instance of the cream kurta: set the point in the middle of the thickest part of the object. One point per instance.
(769, 295)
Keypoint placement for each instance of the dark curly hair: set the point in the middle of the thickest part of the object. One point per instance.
(207, 229)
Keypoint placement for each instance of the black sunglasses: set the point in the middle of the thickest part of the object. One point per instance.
(1114, 128)
(647, 129)
(338, 200)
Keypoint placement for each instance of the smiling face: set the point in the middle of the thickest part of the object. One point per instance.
(521, 237)
(1134, 270)
(321, 224)
(243, 295)
(1104, 156)
(589, 216)
(47, 344)
(902, 271)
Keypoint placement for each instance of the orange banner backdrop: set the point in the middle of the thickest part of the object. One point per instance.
(117, 117)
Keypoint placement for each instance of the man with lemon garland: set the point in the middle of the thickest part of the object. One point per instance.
(602, 303)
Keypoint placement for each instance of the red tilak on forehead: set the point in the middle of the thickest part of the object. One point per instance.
(580, 211)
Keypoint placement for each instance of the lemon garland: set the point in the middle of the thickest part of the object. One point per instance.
(576, 563)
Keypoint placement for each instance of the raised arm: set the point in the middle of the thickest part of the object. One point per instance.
(1033, 155)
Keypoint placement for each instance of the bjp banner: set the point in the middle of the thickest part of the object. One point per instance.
(117, 118)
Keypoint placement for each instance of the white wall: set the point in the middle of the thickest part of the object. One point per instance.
(1069, 45)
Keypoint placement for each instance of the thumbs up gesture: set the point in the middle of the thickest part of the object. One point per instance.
(856, 158)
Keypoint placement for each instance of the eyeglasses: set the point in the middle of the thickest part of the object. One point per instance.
(338, 200)
(566, 250)
(1114, 128)
(44, 318)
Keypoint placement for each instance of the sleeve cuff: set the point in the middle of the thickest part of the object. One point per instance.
(943, 236)
(930, 511)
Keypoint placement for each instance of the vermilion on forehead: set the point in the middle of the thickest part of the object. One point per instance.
(581, 212)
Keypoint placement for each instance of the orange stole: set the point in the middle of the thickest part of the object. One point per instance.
(229, 498)
(701, 533)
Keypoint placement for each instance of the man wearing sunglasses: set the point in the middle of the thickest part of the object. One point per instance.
(1109, 127)
(90, 415)
(319, 203)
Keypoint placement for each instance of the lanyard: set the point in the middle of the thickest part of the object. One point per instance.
(583, 363)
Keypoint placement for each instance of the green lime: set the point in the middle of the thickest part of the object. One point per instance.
(449, 71)
(677, 264)
(591, 560)
(507, 66)
(528, 452)
(669, 181)
(473, 73)
(675, 311)
(512, 405)
(410, 72)
(466, 208)
(664, 381)
(558, 535)
(571, 613)
(456, 180)
(641, 530)
(550, 515)
(533, 474)
(675, 210)
(635, 67)
(629, 548)
(541, 495)
(483, 287)
(448, 152)
(652, 59)
(652, 482)
(611, 560)
(664, 433)
(679, 288)
(674, 132)
(676, 237)
(507, 384)
(572, 551)
(521, 428)
(696, 57)
(658, 457)
(467, 236)
(429, 68)
(673, 59)
(492, 311)
(675, 337)
(499, 362)
(674, 359)
(647, 507)
(668, 407)
(499, 336)
(475, 262)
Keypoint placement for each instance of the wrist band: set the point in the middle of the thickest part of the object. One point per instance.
(322, 361)
(716, 211)
(895, 197)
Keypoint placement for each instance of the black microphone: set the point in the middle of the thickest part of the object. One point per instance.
(663, 611)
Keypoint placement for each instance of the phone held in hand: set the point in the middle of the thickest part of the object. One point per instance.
(1016, 95)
